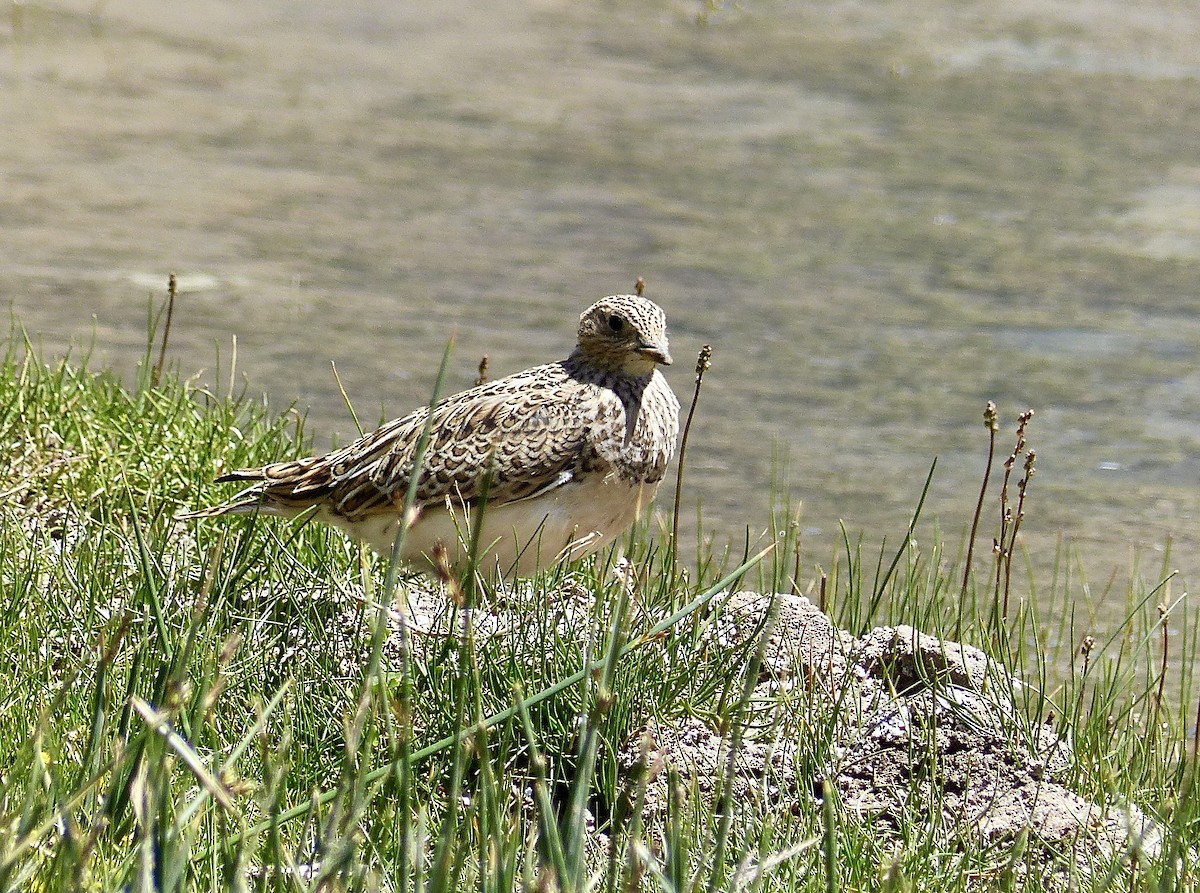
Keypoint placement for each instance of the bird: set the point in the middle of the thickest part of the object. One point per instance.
(554, 462)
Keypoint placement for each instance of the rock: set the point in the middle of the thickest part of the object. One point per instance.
(909, 658)
(764, 772)
(927, 731)
(803, 643)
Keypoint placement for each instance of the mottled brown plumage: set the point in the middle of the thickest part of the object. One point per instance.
(570, 454)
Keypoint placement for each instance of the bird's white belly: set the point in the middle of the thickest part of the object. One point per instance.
(518, 538)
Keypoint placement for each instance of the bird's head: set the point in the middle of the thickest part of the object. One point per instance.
(626, 333)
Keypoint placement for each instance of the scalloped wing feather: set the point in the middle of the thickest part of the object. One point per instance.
(530, 439)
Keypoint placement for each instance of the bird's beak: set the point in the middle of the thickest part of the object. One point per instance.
(656, 352)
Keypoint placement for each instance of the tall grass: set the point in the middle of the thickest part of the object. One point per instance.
(238, 705)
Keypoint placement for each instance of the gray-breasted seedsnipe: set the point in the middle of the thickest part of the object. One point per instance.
(569, 454)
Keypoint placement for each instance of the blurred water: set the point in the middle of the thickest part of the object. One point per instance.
(880, 215)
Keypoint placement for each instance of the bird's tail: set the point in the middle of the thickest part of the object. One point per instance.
(249, 502)
(248, 505)
(243, 474)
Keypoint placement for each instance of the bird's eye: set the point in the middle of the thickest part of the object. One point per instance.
(616, 323)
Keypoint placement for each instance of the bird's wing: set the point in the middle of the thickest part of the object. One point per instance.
(526, 439)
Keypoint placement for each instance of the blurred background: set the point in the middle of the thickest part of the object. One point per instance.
(880, 214)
